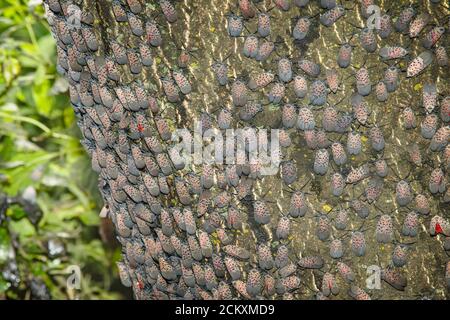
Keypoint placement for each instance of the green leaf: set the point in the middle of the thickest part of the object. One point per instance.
(42, 101)
(23, 228)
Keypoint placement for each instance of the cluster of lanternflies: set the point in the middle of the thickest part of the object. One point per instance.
(178, 226)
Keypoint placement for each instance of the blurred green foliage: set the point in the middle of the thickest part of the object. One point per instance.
(40, 149)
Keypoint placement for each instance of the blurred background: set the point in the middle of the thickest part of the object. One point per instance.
(49, 204)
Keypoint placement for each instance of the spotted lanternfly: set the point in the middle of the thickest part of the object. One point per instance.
(439, 225)
(135, 24)
(321, 161)
(260, 80)
(234, 220)
(346, 272)
(134, 61)
(410, 225)
(237, 252)
(428, 126)
(265, 258)
(163, 128)
(310, 68)
(152, 34)
(63, 32)
(131, 101)
(429, 97)
(164, 163)
(403, 193)
(89, 38)
(288, 172)
(153, 104)
(288, 115)
(221, 72)
(403, 20)
(276, 93)
(254, 284)
(337, 184)
(414, 154)
(338, 153)
(358, 174)
(72, 55)
(358, 294)
(78, 41)
(331, 16)
(233, 268)
(368, 40)
(385, 26)
(329, 285)
(239, 93)
(261, 212)
(333, 80)
(247, 9)
(265, 49)
(358, 243)
(301, 28)
(363, 84)
(418, 64)
(345, 55)
(168, 10)
(263, 24)
(146, 55)
(364, 7)
(394, 278)
(151, 184)
(336, 249)
(422, 205)
(433, 37)
(113, 72)
(311, 262)
(441, 56)
(391, 78)
(182, 82)
(318, 93)
(235, 25)
(323, 229)
(222, 199)
(224, 291)
(311, 139)
(195, 248)
(361, 111)
(282, 257)
(305, 120)
(210, 278)
(170, 90)
(376, 138)
(205, 244)
(409, 118)
(151, 166)
(85, 96)
(440, 139)
(437, 182)
(119, 11)
(389, 53)
(224, 119)
(418, 24)
(300, 86)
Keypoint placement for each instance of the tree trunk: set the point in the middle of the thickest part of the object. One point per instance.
(139, 71)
